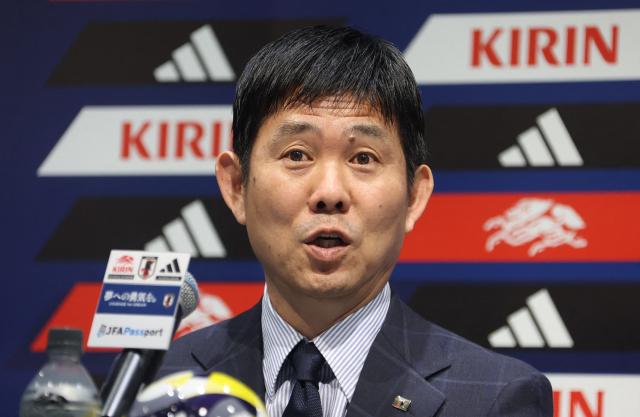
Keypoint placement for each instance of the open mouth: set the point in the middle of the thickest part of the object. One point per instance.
(328, 246)
(327, 241)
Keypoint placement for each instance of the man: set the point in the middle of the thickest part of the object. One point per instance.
(328, 174)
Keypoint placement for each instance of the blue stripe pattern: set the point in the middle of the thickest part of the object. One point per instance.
(344, 345)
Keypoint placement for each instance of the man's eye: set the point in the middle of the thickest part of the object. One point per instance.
(363, 159)
(296, 155)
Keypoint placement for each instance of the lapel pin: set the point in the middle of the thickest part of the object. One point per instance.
(401, 403)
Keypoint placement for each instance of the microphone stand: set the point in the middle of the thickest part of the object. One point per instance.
(132, 369)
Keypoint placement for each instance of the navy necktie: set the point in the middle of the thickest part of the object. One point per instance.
(305, 399)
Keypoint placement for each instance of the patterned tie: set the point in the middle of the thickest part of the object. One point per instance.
(305, 398)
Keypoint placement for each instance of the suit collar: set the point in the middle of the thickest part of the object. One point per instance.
(235, 348)
(400, 361)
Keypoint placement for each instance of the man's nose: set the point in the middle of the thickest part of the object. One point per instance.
(330, 191)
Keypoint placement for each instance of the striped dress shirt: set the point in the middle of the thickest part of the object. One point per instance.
(344, 345)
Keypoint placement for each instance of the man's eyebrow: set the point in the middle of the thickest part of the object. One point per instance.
(291, 128)
(370, 130)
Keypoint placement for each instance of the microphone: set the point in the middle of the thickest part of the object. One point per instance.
(136, 367)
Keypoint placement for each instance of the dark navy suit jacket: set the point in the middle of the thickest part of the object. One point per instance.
(442, 374)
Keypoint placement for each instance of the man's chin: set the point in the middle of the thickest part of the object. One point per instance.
(327, 285)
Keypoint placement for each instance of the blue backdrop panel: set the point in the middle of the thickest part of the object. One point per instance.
(113, 113)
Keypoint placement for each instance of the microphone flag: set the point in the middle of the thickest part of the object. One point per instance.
(138, 300)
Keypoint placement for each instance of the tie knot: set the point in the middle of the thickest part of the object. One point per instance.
(307, 362)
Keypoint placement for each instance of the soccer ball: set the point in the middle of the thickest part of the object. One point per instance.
(185, 394)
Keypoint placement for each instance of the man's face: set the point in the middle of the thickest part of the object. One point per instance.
(326, 203)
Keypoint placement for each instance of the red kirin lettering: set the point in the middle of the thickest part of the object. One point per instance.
(163, 140)
(578, 404)
(542, 45)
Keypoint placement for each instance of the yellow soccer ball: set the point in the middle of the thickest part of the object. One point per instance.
(185, 394)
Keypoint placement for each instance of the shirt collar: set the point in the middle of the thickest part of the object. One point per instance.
(278, 338)
(344, 345)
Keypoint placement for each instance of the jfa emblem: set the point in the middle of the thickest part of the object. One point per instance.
(147, 266)
(167, 301)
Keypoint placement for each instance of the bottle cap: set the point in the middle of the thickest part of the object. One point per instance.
(65, 338)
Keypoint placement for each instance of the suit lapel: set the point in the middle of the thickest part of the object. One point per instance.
(401, 359)
(235, 349)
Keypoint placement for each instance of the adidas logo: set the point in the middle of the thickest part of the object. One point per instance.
(533, 150)
(535, 326)
(172, 267)
(200, 60)
(192, 233)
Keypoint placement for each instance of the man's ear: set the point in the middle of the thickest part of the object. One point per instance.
(229, 176)
(419, 196)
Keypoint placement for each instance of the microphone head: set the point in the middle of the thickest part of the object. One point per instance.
(189, 296)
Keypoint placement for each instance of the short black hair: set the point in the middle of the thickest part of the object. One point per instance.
(319, 62)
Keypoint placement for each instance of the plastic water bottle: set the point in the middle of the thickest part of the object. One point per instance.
(63, 387)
